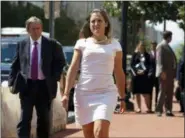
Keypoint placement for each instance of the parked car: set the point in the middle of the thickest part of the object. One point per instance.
(68, 53)
(17, 32)
(8, 48)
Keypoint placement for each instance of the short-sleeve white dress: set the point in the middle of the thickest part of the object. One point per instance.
(95, 94)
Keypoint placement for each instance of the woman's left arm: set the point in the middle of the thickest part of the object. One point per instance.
(119, 74)
(148, 64)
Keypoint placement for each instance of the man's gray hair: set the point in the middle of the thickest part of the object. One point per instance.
(32, 19)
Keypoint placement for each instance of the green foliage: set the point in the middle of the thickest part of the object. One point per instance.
(139, 11)
(15, 16)
(179, 51)
(66, 31)
(148, 10)
(181, 14)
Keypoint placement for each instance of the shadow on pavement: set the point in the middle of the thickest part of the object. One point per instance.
(66, 133)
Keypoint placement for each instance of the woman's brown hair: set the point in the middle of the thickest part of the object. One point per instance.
(85, 31)
(141, 43)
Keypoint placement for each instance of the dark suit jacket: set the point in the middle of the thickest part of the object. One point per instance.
(180, 73)
(165, 60)
(136, 59)
(153, 64)
(53, 62)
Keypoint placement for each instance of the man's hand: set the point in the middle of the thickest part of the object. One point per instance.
(179, 85)
(163, 76)
(11, 89)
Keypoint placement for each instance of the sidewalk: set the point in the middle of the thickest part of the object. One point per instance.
(142, 125)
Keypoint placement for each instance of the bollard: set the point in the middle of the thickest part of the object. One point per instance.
(10, 112)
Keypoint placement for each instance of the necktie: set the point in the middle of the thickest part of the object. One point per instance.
(34, 63)
(155, 54)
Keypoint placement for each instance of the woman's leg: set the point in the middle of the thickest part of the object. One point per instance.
(150, 101)
(101, 128)
(147, 101)
(88, 130)
(138, 102)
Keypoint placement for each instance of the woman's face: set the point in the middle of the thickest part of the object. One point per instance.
(97, 24)
(141, 48)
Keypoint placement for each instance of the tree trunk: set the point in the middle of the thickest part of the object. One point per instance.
(164, 27)
(134, 34)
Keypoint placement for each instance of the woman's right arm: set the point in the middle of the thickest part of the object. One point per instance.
(72, 71)
(132, 64)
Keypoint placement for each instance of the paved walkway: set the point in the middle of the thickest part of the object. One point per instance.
(131, 125)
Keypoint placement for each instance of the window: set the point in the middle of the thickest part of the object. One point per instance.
(64, 5)
(8, 52)
(68, 56)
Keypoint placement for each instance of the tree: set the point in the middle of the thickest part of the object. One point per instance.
(66, 30)
(139, 12)
(181, 14)
(12, 15)
(148, 10)
(15, 15)
(179, 52)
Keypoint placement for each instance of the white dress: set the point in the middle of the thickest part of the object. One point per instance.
(95, 94)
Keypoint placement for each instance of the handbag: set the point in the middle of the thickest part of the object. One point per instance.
(19, 84)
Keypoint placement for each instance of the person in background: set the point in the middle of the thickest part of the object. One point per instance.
(180, 83)
(166, 65)
(154, 79)
(141, 84)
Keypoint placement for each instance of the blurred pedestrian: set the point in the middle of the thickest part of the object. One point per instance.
(141, 84)
(166, 71)
(180, 82)
(154, 79)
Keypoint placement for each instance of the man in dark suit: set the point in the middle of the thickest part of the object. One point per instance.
(35, 71)
(166, 65)
(154, 79)
(180, 82)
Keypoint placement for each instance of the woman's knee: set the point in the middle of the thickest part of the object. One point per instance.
(88, 130)
(101, 129)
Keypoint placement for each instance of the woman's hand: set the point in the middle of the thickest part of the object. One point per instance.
(140, 72)
(122, 107)
(65, 99)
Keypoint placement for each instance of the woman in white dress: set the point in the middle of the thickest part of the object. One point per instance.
(98, 56)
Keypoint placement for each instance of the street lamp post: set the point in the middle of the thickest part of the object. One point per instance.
(124, 33)
(51, 32)
(164, 25)
(51, 19)
(123, 41)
